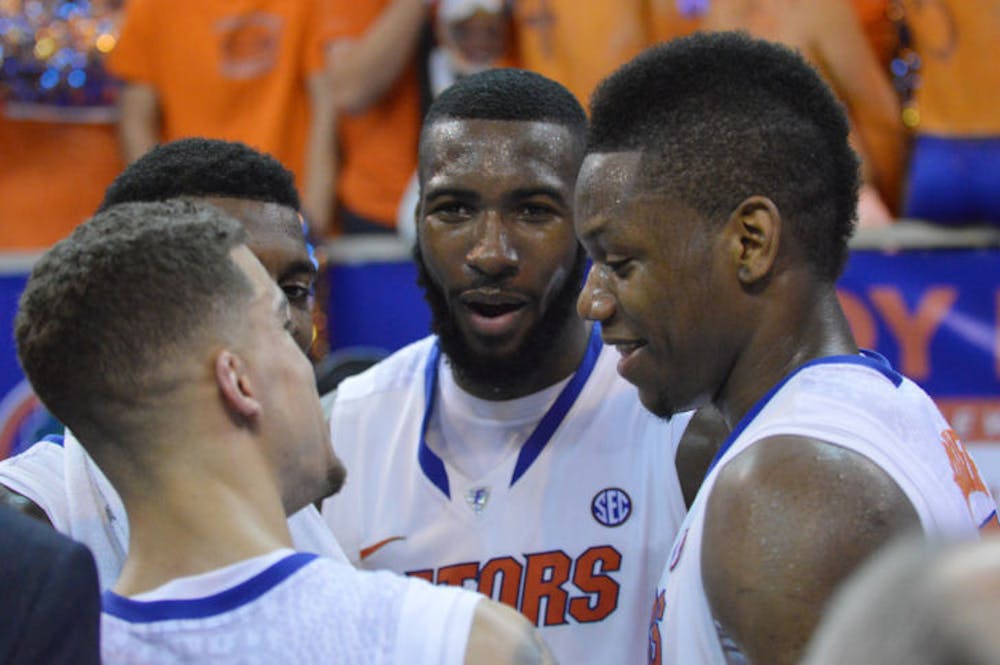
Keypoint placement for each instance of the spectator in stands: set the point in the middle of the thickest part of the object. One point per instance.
(373, 77)
(578, 47)
(57, 118)
(829, 34)
(470, 36)
(253, 73)
(954, 175)
(916, 603)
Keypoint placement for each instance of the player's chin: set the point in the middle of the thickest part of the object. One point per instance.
(336, 477)
(497, 348)
(656, 401)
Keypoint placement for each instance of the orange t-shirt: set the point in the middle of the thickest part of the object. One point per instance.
(378, 146)
(228, 69)
(668, 21)
(879, 28)
(578, 44)
(959, 86)
(52, 177)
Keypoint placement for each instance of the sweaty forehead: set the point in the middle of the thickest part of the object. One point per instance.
(263, 286)
(607, 183)
(508, 148)
(274, 233)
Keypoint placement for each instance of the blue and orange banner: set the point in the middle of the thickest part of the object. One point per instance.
(935, 314)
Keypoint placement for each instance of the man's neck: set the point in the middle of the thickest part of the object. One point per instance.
(789, 337)
(196, 527)
(567, 352)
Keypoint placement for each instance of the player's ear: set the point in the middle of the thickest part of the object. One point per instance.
(235, 385)
(755, 231)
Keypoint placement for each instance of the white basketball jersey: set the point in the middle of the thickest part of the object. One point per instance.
(572, 528)
(58, 475)
(858, 403)
(289, 608)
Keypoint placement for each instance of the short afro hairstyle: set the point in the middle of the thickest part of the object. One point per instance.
(509, 94)
(719, 117)
(200, 167)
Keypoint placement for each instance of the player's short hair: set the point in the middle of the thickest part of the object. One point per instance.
(509, 94)
(199, 167)
(719, 117)
(915, 602)
(109, 308)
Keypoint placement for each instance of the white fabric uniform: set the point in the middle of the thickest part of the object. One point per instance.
(289, 607)
(58, 475)
(576, 542)
(858, 403)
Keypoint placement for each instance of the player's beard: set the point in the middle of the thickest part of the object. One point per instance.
(504, 374)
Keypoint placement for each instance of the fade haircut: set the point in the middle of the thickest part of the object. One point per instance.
(199, 167)
(110, 308)
(509, 94)
(719, 117)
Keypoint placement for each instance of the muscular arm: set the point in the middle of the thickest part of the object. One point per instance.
(138, 124)
(501, 636)
(363, 69)
(23, 505)
(321, 161)
(787, 521)
(864, 87)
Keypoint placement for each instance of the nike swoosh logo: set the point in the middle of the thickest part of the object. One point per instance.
(371, 549)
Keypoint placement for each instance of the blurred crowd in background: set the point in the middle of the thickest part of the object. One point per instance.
(336, 89)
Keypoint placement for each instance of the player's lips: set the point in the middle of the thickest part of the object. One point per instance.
(630, 354)
(493, 311)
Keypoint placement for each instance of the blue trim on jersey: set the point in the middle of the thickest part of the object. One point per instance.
(54, 438)
(550, 422)
(988, 519)
(432, 465)
(866, 358)
(137, 611)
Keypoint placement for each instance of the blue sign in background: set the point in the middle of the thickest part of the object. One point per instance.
(932, 313)
(10, 290)
(958, 287)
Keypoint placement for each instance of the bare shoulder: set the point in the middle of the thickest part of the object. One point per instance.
(787, 520)
(501, 636)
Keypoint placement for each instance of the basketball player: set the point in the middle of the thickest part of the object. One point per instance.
(56, 480)
(189, 390)
(503, 453)
(716, 200)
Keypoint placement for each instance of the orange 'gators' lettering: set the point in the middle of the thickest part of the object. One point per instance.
(965, 473)
(457, 574)
(544, 577)
(655, 651)
(590, 578)
(583, 590)
(509, 571)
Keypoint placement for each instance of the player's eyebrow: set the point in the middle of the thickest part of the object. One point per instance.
(297, 267)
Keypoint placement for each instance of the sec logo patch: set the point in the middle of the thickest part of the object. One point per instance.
(611, 507)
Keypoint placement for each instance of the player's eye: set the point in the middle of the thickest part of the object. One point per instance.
(452, 211)
(297, 294)
(620, 267)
